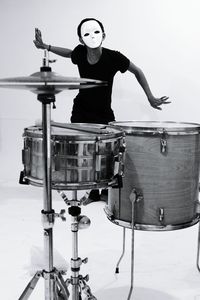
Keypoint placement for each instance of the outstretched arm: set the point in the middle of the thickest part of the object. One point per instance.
(57, 50)
(154, 102)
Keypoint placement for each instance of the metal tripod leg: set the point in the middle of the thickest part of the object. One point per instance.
(123, 251)
(198, 249)
(30, 287)
(64, 292)
(86, 289)
(133, 198)
(60, 292)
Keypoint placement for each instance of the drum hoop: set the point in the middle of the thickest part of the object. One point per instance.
(29, 132)
(157, 130)
(73, 186)
(147, 227)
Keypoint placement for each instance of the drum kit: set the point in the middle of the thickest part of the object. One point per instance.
(151, 171)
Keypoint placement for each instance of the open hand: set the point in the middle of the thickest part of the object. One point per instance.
(157, 102)
(38, 39)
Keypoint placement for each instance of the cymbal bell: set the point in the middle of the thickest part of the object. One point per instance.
(48, 82)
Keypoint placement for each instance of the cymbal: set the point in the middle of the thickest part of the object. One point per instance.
(49, 82)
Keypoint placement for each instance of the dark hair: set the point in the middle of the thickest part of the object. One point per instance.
(85, 20)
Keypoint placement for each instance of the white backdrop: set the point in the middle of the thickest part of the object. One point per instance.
(160, 36)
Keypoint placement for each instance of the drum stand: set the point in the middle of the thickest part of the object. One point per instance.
(55, 288)
(78, 221)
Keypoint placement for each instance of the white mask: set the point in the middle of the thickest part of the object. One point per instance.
(91, 34)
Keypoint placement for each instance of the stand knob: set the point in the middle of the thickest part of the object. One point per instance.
(85, 260)
(83, 222)
(61, 215)
(86, 278)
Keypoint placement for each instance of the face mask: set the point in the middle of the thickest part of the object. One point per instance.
(91, 34)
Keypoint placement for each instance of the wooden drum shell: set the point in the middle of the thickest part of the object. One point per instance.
(168, 181)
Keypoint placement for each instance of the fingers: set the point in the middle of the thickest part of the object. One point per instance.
(38, 39)
(157, 107)
(157, 102)
(38, 35)
(38, 32)
(164, 100)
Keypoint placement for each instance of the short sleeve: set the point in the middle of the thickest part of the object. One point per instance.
(77, 54)
(122, 61)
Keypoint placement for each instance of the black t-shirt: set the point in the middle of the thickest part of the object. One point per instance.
(93, 105)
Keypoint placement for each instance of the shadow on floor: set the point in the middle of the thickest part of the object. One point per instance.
(139, 293)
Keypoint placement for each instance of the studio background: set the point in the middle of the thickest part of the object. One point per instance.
(160, 36)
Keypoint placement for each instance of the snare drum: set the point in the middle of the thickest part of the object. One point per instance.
(162, 165)
(80, 159)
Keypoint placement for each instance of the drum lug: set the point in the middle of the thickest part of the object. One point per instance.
(56, 165)
(119, 161)
(97, 158)
(163, 141)
(98, 162)
(161, 214)
(26, 156)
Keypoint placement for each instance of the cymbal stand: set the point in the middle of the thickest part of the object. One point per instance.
(78, 221)
(55, 288)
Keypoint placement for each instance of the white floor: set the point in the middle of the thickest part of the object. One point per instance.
(165, 262)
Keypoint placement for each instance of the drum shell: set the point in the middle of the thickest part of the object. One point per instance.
(168, 182)
(74, 158)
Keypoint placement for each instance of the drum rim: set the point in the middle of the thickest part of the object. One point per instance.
(104, 183)
(124, 125)
(35, 131)
(148, 227)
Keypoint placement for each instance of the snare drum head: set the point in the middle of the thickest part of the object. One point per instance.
(79, 131)
(156, 126)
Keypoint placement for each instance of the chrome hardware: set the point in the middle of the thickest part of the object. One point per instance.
(85, 260)
(86, 278)
(136, 195)
(119, 160)
(56, 165)
(161, 214)
(163, 144)
(97, 158)
(163, 141)
(61, 215)
(83, 222)
(76, 263)
(98, 162)
(26, 154)
(48, 219)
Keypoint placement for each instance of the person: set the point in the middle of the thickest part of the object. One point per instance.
(96, 62)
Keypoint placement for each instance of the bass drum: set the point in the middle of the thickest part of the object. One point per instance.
(81, 159)
(162, 165)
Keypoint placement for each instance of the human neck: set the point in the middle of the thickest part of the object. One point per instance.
(93, 55)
